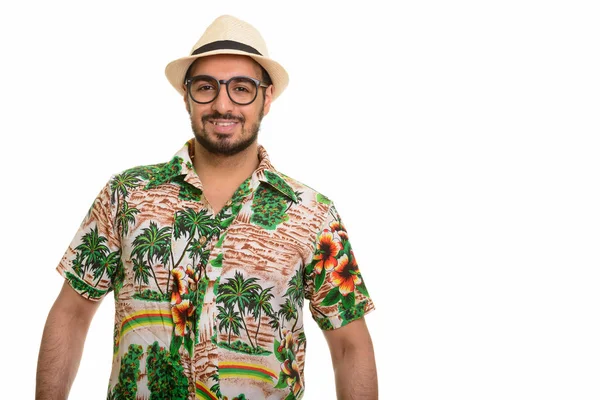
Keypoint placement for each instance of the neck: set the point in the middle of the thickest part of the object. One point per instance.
(214, 169)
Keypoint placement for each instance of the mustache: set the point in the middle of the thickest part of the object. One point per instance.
(218, 115)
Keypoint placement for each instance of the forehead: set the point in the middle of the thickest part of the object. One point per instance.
(225, 65)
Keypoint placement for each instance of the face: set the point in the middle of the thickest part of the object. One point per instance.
(223, 127)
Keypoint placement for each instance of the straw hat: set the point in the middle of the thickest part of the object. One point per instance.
(229, 35)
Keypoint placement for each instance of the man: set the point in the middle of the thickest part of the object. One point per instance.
(211, 255)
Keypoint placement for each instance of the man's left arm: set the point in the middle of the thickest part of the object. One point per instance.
(353, 361)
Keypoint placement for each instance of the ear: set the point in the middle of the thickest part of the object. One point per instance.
(186, 100)
(268, 100)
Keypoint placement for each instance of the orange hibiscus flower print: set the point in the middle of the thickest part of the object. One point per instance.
(287, 342)
(345, 275)
(327, 249)
(181, 313)
(179, 285)
(290, 368)
(337, 226)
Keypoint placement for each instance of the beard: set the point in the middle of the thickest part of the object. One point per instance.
(223, 145)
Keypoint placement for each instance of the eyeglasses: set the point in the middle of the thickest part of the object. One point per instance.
(242, 90)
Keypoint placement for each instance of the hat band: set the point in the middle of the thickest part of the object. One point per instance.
(225, 45)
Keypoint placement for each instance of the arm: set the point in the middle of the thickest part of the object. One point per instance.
(62, 344)
(353, 361)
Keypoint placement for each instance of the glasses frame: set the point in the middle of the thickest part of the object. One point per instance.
(257, 83)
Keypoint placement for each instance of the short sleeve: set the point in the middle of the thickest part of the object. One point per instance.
(92, 263)
(333, 284)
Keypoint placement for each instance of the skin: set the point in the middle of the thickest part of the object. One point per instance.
(221, 172)
(227, 158)
(62, 344)
(353, 360)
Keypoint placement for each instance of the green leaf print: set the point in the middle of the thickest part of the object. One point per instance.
(224, 223)
(268, 208)
(323, 199)
(81, 286)
(186, 191)
(216, 286)
(348, 300)
(221, 239)
(290, 396)
(166, 378)
(126, 387)
(276, 351)
(363, 289)
(218, 261)
(310, 267)
(242, 347)
(163, 173)
(188, 343)
(279, 184)
(319, 279)
(282, 382)
(325, 324)
(332, 297)
(351, 314)
(176, 342)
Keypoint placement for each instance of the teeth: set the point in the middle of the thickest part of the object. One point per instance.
(223, 123)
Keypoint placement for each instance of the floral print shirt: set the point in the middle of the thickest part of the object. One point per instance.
(210, 306)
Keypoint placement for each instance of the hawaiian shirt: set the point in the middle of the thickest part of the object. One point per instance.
(210, 305)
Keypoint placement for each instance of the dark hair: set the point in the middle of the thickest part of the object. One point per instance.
(265, 76)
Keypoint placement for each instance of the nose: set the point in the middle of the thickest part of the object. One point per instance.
(223, 103)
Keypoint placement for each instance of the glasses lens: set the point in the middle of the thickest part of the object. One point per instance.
(204, 89)
(242, 90)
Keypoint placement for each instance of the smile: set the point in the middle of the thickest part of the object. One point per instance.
(223, 123)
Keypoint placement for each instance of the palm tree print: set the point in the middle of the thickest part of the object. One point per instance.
(239, 292)
(189, 223)
(286, 349)
(92, 249)
(275, 324)
(198, 228)
(153, 245)
(216, 388)
(294, 299)
(295, 290)
(107, 264)
(289, 312)
(120, 184)
(141, 273)
(219, 298)
(93, 255)
(259, 304)
(78, 267)
(198, 253)
(126, 217)
(229, 321)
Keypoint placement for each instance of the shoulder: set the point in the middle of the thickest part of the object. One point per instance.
(146, 176)
(305, 193)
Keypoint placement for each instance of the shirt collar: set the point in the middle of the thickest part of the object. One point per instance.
(265, 173)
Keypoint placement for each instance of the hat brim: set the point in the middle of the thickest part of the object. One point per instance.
(176, 70)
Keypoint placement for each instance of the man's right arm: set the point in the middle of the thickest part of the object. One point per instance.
(62, 344)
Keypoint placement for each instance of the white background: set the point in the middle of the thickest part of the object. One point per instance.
(458, 139)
